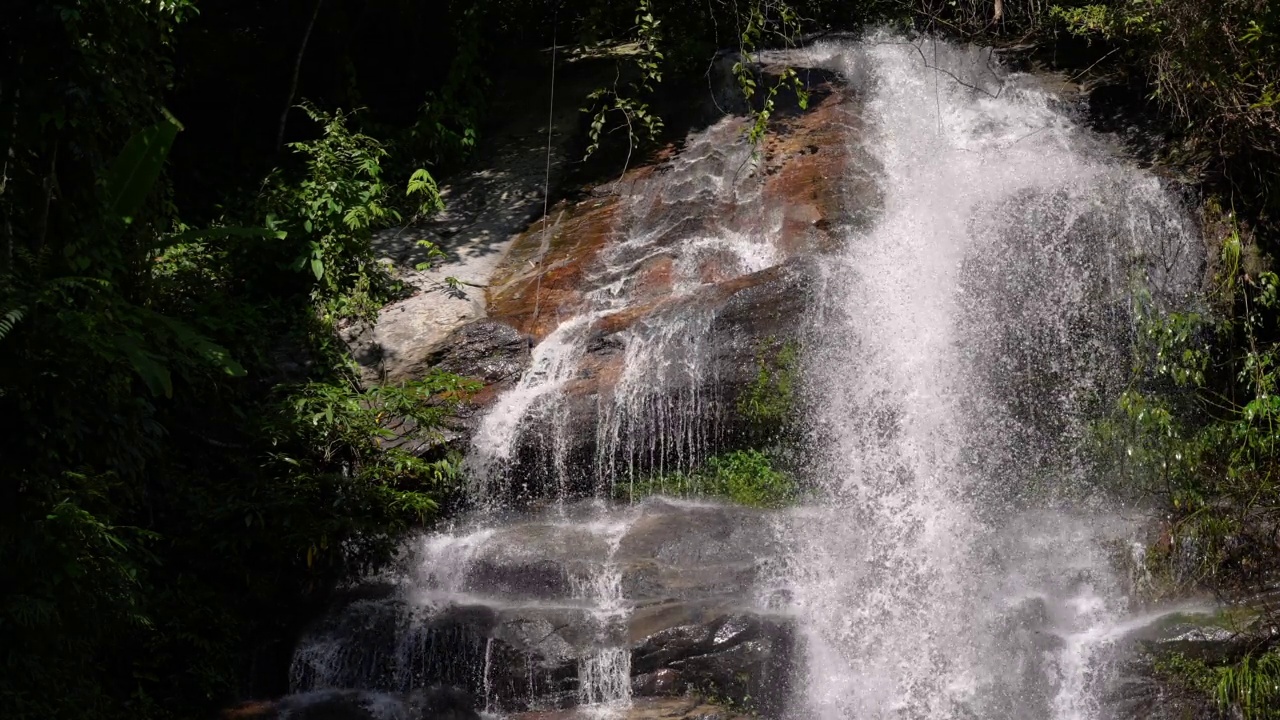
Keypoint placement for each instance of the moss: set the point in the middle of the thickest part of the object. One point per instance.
(1190, 674)
(770, 399)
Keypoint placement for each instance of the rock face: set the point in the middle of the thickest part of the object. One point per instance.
(651, 306)
(529, 272)
(433, 703)
(1145, 687)
(518, 614)
(715, 245)
(615, 338)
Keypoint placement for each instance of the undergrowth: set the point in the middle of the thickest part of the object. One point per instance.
(1250, 685)
(743, 477)
(1199, 430)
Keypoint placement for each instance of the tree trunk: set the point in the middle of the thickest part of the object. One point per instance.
(297, 70)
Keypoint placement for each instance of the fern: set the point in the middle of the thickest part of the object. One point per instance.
(10, 319)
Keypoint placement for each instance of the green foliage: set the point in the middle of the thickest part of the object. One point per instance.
(1214, 66)
(744, 477)
(1192, 674)
(447, 123)
(1198, 428)
(767, 21)
(1249, 686)
(769, 401)
(641, 124)
(174, 494)
(351, 432)
(1086, 20)
(1141, 19)
(336, 207)
(1252, 686)
(759, 24)
(133, 175)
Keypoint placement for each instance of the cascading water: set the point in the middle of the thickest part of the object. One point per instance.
(954, 567)
(698, 220)
(604, 673)
(957, 557)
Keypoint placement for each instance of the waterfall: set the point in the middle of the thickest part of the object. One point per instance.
(954, 556)
(699, 219)
(954, 566)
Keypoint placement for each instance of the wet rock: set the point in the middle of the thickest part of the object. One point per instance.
(690, 552)
(702, 260)
(1139, 695)
(733, 322)
(441, 703)
(684, 708)
(1140, 691)
(516, 619)
(664, 681)
(433, 703)
(338, 705)
(1147, 686)
(745, 658)
(484, 350)
(253, 710)
(807, 169)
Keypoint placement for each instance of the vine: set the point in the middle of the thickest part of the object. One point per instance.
(641, 123)
(760, 27)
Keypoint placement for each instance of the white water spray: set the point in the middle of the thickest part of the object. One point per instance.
(983, 295)
(699, 221)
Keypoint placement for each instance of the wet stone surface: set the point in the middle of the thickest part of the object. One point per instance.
(513, 613)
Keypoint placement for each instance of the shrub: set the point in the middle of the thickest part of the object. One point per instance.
(744, 477)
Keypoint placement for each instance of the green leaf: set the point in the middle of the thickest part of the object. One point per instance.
(317, 266)
(9, 319)
(134, 172)
(194, 342)
(206, 234)
(148, 366)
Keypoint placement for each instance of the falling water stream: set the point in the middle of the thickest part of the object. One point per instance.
(957, 557)
(969, 336)
(700, 218)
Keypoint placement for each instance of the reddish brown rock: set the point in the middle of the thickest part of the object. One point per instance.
(540, 282)
(710, 233)
(253, 710)
(809, 176)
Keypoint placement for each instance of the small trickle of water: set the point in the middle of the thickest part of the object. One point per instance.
(554, 362)
(604, 673)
